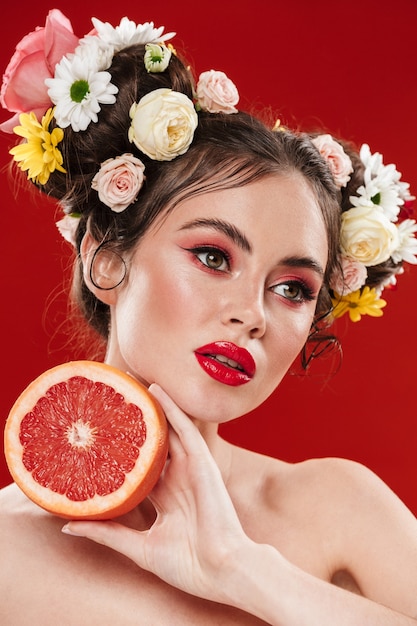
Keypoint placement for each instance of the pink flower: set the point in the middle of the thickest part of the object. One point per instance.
(23, 89)
(216, 93)
(338, 161)
(67, 227)
(119, 181)
(351, 278)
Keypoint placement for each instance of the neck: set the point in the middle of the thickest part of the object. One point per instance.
(219, 448)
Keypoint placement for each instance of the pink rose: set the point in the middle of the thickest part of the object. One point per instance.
(351, 278)
(119, 181)
(338, 161)
(23, 89)
(216, 93)
(67, 227)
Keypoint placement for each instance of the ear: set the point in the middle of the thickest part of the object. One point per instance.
(103, 270)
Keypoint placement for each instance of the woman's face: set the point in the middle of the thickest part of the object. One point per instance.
(221, 295)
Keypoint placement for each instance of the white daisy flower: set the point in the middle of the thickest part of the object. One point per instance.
(129, 33)
(407, 247)
(375, 168)
(382, 186)
(404, 191)
(93, 49)
(383, 195)
(78, 89)
(372, 162)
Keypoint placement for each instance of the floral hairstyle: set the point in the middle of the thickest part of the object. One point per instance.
(130, 133)
(377, 233)
(122, 132)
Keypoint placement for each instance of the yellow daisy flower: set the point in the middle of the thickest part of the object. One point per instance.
(39, 154)
(361, 302)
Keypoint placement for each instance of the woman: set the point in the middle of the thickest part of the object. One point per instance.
(209, 256)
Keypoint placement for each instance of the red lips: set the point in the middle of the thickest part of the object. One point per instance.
(226, 362)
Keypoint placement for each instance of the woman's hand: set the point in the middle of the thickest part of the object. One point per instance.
(196, 534)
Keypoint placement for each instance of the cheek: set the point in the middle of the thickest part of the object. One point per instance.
(289, 336)
(174, 299)
(162, 300)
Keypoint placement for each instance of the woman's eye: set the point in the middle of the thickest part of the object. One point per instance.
(213, 259)
(294, 291)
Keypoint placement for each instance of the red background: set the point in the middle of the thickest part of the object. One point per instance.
(347, 66)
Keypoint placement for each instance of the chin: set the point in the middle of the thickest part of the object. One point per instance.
(212, 409)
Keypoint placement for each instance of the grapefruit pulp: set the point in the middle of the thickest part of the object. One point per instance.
(86, 441)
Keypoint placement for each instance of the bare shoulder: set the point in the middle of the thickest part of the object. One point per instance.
(19, 539)
(363, 527)
(10, 496)
(328, 478)
(331, 489)
(338, 483)
(342, 494)
(14, 506)
(21, 522)
(348, 488)
(26, 531)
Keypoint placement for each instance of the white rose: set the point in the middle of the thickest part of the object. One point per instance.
(163, 124)
(367, 235)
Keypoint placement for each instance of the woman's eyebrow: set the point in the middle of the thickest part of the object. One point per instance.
(304, 261)
(223, 227)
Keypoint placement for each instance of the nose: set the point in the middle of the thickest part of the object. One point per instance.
(244, 307)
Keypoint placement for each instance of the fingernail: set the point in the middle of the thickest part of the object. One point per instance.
(67, 531)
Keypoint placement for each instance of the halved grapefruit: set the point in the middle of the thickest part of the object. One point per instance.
(86, 441)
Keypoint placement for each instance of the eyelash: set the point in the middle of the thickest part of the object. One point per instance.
(206, 250)
(307, 293)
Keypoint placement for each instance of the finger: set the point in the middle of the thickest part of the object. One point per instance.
(113, 535)
(194, 447)
(187, 432)
(175, 446)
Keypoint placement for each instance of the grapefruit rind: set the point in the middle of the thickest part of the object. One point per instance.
(137, 484)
